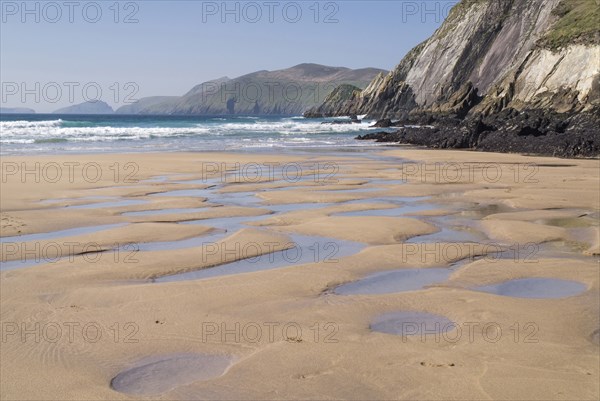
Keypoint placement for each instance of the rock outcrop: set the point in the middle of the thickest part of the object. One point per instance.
(491, 59)
(510, 131)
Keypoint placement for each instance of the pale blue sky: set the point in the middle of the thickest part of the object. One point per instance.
(175, 45)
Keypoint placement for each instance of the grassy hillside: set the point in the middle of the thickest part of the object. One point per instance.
(578, 23)
(143, 103)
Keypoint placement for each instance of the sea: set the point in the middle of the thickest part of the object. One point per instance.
(27, 134)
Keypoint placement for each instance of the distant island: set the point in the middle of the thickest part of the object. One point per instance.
(16, 110)
(95, 107)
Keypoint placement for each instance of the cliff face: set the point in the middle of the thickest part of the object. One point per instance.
(492, 55)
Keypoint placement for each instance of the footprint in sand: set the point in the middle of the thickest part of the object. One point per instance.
(438, 365)
(595, 337)
(304, 376)
(11, 224)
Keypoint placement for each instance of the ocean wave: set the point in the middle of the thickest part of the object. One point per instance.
(85, 134)
(51, 140)
(17, 141)
(288, 127)
(213, 133)
(24, 124)
(62, 130)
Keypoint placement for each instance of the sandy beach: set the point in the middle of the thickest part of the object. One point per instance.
(122, 271)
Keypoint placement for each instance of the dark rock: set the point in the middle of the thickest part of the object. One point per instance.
(337, 122)
(381, 136)
(312, 114)
(530, 132)
(477, 126)
(354, 119)
(385, 123)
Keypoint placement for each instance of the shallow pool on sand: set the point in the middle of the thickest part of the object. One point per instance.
(407, 323)
(535, 288)
(160, 374)
(394, 281)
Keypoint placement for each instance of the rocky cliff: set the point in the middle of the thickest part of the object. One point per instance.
(492, 59)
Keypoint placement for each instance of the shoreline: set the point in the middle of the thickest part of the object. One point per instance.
(410, 210)
(528, 132)
(378, 146)
(537, 132)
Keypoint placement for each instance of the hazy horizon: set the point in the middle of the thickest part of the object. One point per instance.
(153, 48)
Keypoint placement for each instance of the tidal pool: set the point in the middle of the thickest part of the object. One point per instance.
(160, 212)
(541, 288)
(407, 323)
(60, 233)
(393, 212)
(102, 205)
(158, 375)
(306, 249)
(394, 281)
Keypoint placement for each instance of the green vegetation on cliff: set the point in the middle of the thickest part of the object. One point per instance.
(339, 99)
(578, 23)
(342, 93)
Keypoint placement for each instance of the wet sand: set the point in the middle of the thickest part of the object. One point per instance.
(112, 325)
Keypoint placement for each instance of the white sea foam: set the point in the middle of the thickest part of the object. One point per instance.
(216, 133)
(31, 131)
(86, 134)
(22, 124)
(287, 127)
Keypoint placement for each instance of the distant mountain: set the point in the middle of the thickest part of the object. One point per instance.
(195, 95)
(289, 91)
(145, 103)
(95, 107)
(199, 89)
(16, 110)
